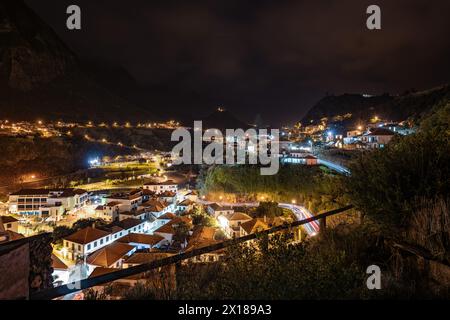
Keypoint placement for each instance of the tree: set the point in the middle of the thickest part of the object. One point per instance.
(386, 184)
(181, 231)
(268, 209)
(203, 219)
(60, 232)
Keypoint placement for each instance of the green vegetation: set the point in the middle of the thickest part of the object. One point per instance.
(323, 268)
(387, 184)
(269, 209)
(311, 186)
(47, 157)
(403, 193)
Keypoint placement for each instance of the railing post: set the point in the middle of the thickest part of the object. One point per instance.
(323, 224)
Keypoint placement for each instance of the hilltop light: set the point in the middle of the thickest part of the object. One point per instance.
(293, 201)
(94, 162)
(359, 127)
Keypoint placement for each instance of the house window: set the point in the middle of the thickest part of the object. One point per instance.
(101, 241)
(79, 248)
(95, 244)
(88, 247)
(8, 225)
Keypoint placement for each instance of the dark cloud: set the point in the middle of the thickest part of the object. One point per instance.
(275, 58)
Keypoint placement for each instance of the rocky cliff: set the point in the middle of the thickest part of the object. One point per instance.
(40, 77)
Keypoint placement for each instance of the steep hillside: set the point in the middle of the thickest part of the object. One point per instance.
(409, 105)
(40, 77)
(223, 119)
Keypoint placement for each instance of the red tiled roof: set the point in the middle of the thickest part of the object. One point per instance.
(169, 226)
(86, 235)
(109, 255)
(168, 215)
(239, 216)
(99, 271)
(7, 219)
(381, 132)
(146, 257)
(58, 264)
(254, 225)
(141, 238)
(202, 237)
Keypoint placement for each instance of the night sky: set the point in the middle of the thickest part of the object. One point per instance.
(273, 58)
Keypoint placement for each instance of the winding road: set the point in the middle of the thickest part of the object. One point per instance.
(300, 212)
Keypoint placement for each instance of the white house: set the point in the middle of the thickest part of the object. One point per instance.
(231, 223)
(377, 138)
(185, 205)
(85, 241)
(168, 230)
(61, 272)
(160, 187)
(89, 239)
(9, 223)
(126, 201)
(46, 202)
(216, 210)
(156, 207)
(109, 211)
(168, 196)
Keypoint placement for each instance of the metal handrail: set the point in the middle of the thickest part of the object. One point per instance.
(91, 282)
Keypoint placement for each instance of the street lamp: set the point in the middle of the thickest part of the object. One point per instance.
(293, 201)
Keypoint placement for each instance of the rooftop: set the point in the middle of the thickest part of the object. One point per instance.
(86, 235)
(146, 257)
(141, 238)
(381, 132)
(254, 225)
(168, 216)
(7, 219)
(169, 226)
(45, 192)
(239, 216)
(58, 264)
(109, 255)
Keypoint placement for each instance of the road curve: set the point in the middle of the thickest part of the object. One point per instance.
(300, 212)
